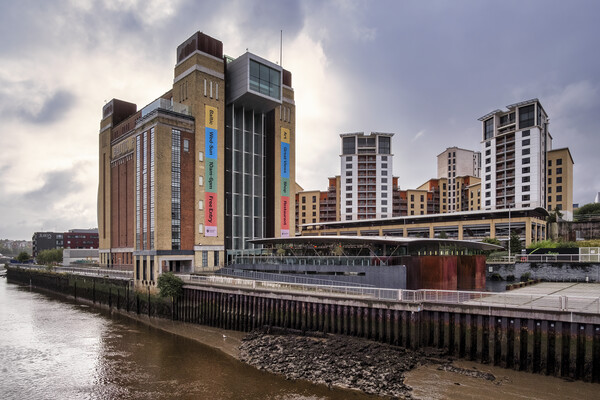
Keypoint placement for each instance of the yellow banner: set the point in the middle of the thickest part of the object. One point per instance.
(285, 135)
(212, 117)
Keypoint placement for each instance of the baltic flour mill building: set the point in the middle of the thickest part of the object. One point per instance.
(198, 171)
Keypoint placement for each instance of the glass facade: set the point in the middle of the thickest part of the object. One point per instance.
(384, 145)
(265, 80)
(489, 129)
(349, 145)
(244, 177)
(527, 116)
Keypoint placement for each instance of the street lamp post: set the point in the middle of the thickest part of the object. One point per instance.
(509, 232)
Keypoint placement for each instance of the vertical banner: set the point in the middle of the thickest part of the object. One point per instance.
(210, 170)
(285, 182)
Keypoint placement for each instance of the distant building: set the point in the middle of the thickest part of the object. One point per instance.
(46, 241)
(366, 176)
(520, 169)
(514, 149)
(560, 182)
(81, 239)
(528, 223)
(73, 239)
(453, 163)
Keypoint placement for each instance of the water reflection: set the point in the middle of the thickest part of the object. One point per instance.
(54, 349)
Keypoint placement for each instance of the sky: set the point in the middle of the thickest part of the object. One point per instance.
(423, 70)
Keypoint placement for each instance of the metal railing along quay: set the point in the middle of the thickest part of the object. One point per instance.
(536, 302)
(488, 299)
(110, 273)
(285, 278)
(545, 258)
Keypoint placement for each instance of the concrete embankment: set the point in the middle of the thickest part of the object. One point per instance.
(565, 344)
(548, 271)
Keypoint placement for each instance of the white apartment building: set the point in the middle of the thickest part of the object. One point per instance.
(366, 176)
(454, 162)
(514, 146)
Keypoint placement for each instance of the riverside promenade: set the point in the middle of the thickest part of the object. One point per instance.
(549, 328)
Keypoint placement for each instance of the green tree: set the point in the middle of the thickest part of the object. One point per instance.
(589, 210)
(51, 256)
(515, 243)
(554, 216)
(170, 285)
(23, 257)
(492, 241)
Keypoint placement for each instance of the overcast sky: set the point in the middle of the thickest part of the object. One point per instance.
(424, 70)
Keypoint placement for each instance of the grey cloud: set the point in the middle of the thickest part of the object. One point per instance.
(57, 184)
(44, 208)
(52, 109)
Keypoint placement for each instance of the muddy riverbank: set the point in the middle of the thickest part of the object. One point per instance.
(342, 361)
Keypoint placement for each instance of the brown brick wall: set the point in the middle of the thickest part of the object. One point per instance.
(122, 202)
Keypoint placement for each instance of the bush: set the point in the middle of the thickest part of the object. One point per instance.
(23, 257)
(170, 285)
(552, 244)
(526, 277)
(496, 277)
(510, 278)
(48, 257)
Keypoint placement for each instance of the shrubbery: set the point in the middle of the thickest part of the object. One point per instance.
(170, 285)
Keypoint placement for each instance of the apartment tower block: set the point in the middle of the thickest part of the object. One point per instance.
(514, 147)
(366, 176)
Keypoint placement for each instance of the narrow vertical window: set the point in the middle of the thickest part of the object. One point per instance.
(176, 189)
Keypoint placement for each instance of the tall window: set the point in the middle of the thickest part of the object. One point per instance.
(384, 145)
(176, 190)
(526, 116)
(348, 145)
(488, 128)
(145, 194)
(138, 196)
(152, 188)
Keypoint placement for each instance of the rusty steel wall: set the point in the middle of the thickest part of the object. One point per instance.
(470, 272)
(431, 272)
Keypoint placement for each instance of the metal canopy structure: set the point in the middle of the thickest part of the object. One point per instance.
(367, 241)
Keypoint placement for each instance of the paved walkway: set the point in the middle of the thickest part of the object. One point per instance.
(561, 289)
(567, 296)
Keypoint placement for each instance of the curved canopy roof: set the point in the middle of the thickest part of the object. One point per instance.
(383, 240)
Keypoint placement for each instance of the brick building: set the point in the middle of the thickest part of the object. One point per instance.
(198, 171)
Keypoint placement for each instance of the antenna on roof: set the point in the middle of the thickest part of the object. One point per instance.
(280, 46)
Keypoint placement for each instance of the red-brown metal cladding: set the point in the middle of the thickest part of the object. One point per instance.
(471, 272)
(431, 272)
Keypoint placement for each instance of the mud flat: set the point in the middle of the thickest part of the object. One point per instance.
(342, 361)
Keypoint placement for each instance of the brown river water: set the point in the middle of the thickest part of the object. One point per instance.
(52, 348)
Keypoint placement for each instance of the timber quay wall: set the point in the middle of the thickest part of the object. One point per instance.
(546, 342)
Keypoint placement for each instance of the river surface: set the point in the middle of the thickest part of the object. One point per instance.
(52, 348)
